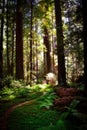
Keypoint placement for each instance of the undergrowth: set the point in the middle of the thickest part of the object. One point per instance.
(31, 117)
(41, 114)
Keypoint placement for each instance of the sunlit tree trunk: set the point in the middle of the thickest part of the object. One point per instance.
(37, 61)
(52, 46)
(27, 62)
(60, 45)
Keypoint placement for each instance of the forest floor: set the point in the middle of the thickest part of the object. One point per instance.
(4, 118)
(31, 115)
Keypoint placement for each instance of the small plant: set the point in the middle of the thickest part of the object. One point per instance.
(68, 118)
(47, 99)
(7, 81)
(71, 110)
(22, 92)
(7, 94)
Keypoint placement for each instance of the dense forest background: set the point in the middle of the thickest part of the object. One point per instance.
(42, 36)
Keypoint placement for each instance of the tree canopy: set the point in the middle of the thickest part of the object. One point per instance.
(39, 36)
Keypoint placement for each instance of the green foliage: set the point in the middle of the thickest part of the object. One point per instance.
(77, 85)
(11, 93)
(16, 84)
(10, 82)
(73, 105)
(13, 89)
(60, 125)
(46, 101)
(22, 92)
(37, 116)
(6, 91)
(31, 117)
(18, 89)
(7, 94)
(71, 110)
(65, 121)
(41, 87)
(82, 87)
(7, 81)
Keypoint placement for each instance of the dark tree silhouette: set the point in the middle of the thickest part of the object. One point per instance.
(47, 53)
(31, 40)
(60, 45)
(84, 11)
(19, 41)
(1, 42)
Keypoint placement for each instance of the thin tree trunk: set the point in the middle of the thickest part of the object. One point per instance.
(27, 62)
(36, 61)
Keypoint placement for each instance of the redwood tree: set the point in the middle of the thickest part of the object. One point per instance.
(31, 41)
(60, 45)
(47, 53)
(1, 41)
(84, 11)
(19, 41)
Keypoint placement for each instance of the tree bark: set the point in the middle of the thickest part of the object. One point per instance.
(19, 41)
(84, 12)
(31, 41)
(60, 45)
(47, 53)
(1, 43)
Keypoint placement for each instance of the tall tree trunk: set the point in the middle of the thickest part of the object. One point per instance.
(12, 59)
(13, 41)
(36, 61)
(60, 46)
(31, 41)
(1, 43)
(19, 41)
(47, 44)
(52, 46)
(27, 62)
(7, 36)
(84, 11)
